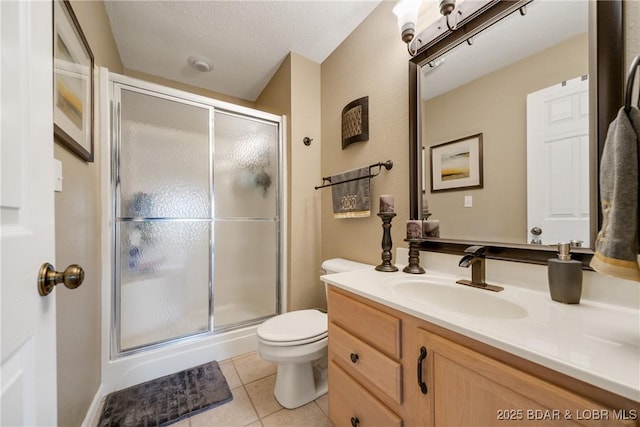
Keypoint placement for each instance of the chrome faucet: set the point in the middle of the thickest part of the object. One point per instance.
(475, 258)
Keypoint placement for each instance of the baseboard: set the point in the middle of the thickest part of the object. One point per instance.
(91, 419)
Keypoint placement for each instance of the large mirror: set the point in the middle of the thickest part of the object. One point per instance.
(509, 113)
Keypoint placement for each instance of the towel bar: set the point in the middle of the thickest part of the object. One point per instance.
(629, 88)
(387, 165)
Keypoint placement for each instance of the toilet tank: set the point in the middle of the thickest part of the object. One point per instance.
(341, 265)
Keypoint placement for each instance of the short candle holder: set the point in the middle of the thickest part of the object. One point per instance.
(387, 244)
(414, 257)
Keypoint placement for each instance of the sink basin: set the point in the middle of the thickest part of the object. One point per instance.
(458, 298)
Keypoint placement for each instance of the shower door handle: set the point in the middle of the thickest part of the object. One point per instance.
(48, 277)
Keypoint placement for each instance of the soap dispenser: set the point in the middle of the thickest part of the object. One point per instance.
(565, 276)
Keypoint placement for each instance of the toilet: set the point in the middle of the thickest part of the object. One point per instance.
(297, 342)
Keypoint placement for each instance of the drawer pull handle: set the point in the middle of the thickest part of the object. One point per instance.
(355, 421)
(354, 359)
(423, 355)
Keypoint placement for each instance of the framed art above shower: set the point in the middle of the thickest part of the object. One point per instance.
(73, 83)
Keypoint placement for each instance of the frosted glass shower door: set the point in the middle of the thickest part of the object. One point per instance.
(163, 218)
(247, 226)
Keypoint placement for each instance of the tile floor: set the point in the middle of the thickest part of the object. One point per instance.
(251, 381)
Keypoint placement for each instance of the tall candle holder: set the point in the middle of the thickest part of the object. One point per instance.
(414, 257)
(387, 244)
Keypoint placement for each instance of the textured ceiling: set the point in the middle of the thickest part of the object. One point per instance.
(246, 41)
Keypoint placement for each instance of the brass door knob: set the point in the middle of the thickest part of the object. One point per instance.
(48, 277)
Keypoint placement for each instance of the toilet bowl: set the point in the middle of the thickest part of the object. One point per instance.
(297, 342)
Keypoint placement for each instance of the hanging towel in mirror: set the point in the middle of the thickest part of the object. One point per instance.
(617, 242)
(351, 199)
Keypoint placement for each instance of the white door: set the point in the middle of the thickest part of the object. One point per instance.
(558, 162)
(28, 321)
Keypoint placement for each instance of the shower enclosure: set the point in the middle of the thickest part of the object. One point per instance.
(196, 216)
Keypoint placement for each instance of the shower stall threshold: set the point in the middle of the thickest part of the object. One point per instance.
(175, 356)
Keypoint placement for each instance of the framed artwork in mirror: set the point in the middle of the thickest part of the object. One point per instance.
(355, 122)
(457, 164)
(73, 83)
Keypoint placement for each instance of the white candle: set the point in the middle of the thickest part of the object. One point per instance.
(414, 229)
(386, 203)
(431, 228)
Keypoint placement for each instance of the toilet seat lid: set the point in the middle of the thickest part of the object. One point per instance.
(300, 325)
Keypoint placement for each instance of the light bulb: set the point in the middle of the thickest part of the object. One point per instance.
(407, 13)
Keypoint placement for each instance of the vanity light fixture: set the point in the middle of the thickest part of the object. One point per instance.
(407, 13)
(432, 65)
(446, 9)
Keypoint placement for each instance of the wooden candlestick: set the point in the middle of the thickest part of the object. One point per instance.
(387, 244)
(414, 257)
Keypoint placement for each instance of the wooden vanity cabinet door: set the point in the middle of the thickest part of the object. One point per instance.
(466, 388)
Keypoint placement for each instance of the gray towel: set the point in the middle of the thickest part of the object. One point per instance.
(617, 241)
(351, 199)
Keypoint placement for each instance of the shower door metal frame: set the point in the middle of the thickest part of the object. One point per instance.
(118, 82)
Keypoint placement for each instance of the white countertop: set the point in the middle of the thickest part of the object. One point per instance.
(594, 342)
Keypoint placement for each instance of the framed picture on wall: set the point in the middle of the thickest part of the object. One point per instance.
(72, 83)
(457, 164)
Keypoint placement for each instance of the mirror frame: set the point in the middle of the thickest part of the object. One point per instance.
(606, 64)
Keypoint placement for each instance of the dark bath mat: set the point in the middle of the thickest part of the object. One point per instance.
(167, 399)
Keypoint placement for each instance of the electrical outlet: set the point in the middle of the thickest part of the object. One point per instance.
(468, 201)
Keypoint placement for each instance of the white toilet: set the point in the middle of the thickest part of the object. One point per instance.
(297, 342)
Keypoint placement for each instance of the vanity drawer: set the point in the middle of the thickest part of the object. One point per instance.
(350, 404)
(377, 328)
(359, 357)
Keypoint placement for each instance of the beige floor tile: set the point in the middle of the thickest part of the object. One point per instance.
(251, 368)
(323, 403)
(230, 373)
(255, 424)
(237, 413)
(307, 415)
(261, 395)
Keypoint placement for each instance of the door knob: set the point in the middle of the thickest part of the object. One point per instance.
(48, 277)
(536, 232)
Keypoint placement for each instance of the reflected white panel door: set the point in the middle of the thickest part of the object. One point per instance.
(558, 162)
(28, 351)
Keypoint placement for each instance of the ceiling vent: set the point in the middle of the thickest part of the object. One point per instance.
(200, 63)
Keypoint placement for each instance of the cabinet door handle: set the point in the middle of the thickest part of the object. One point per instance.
(355, 421)
(422, 384)
(354, 359)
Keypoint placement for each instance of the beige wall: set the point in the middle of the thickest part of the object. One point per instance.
(295, 91)
(77, 210)
(306, 290)
(353, 71)
(631, 12)
(495, 105)
(275, 98)
(372, 62)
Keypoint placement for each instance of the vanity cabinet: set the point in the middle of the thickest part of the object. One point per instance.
(365, 371)
(378, 358)
(466, 388)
